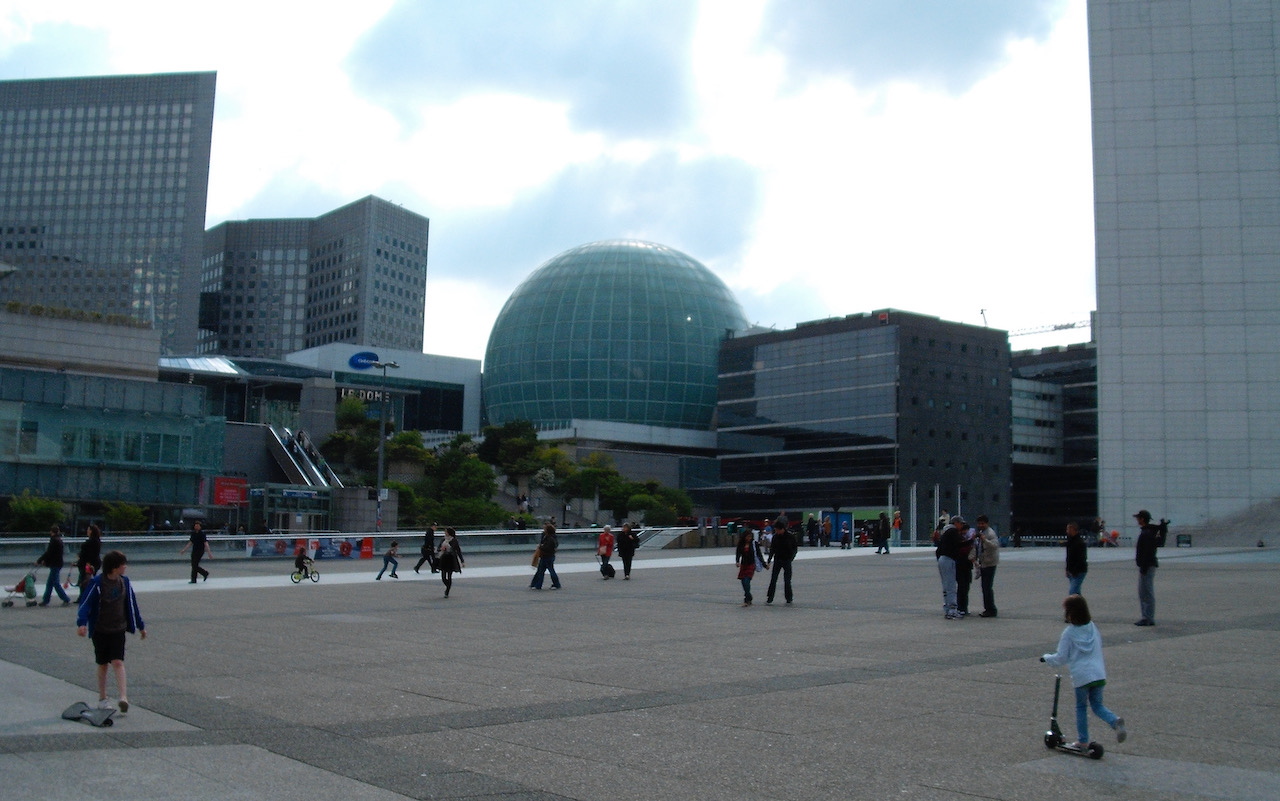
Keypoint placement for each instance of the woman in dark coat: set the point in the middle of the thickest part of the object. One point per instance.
(628, 541)
(90, 557)
(449, 559)
(52, 559)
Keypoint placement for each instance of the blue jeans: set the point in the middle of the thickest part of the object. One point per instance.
(547, 564)
(1074, 582)
(947, 570)
(746, 589)
(54, 583)
(1146, 594)
(1091, 697)
(388, 560)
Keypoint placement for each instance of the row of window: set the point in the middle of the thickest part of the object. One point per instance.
(51, 116)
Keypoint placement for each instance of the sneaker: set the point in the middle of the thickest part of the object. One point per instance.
(415, 570)
(986, 614)
(1121, 734)
(375, 578)
(393, 575)
(953, 616)
(1145, 622)
(105, 703)
(192, 581)
(66, 603)
(124, 705)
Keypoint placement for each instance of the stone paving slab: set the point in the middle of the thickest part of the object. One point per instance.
(658, 687)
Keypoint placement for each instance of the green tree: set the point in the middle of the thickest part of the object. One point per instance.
(124, 517)
(29, 512)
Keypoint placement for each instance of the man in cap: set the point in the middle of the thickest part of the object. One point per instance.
(948, 553)
(1145, 556)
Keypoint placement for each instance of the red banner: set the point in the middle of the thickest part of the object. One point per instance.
(230, 491)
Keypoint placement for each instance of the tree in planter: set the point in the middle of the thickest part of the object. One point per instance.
(29, 512)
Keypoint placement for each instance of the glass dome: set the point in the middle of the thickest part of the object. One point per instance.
(621, 331)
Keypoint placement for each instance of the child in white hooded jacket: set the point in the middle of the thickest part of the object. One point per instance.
(1080, 649)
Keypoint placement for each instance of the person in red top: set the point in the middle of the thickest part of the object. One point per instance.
(604, 547)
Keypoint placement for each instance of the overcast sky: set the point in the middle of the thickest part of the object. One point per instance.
(823, 157)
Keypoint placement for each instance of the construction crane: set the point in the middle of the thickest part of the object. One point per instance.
(1045, 329)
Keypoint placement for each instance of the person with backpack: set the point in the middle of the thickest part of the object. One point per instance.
(1150, 538)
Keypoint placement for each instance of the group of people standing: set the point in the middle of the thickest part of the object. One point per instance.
(961, 552)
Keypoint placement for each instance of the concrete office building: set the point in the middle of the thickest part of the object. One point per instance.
(1186, 138)
(355, 275)
(863, 412)
(104, 184)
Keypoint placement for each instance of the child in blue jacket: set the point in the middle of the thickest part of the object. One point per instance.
(108, 610)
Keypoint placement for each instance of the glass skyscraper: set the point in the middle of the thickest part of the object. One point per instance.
(103, 185)
(1186, 140)
(357, 274)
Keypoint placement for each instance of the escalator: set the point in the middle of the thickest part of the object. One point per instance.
(300, 460)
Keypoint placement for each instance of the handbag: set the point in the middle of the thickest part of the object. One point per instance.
(603, 550)
(537, 556)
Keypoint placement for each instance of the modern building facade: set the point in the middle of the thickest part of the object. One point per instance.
(1055, 437)
(355, 275)
(1186, 138)
(866, 411)
(616, 331)
(104, 185)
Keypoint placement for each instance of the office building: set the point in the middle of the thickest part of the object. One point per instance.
(1055, 437)
(1186, 139)
(355, 275)
(103, 185)
(870, 411)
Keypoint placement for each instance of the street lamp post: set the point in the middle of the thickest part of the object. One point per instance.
(382, 433)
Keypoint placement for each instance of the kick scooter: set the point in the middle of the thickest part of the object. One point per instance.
(1053, 737)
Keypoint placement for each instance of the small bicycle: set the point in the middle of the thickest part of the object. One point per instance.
(311, 572)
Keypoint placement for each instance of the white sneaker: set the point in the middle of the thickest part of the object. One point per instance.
(1121, 734)
(106, 703)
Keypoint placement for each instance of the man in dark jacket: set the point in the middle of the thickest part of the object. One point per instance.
(1145, 556)
(784, 552)
(1077, 559)
(948, 553)
(883, 527)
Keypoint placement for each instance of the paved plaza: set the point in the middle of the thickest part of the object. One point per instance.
(661, 687)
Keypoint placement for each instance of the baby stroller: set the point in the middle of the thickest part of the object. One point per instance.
(26, 588)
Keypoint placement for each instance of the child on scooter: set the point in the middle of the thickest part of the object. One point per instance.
(1080, 649)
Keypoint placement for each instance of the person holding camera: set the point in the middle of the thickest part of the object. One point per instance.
(1149, 539)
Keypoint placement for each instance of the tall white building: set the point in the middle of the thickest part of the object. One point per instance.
(1186, 141)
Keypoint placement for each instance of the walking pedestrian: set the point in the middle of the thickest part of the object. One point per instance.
(604, 549)
(883, 527)
(628, 541)
(1077, 559)
(746, 555)
(108, 610)
(89, 560)
(198, 544)
(52, 559)
(389, 558)
(449, 559)
(784, 553)
(428, 550)
(547, 561)
(1080, 649)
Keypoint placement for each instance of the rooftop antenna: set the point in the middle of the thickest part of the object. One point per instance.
(983, 312)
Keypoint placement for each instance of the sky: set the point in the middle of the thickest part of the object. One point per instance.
(823, 157)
